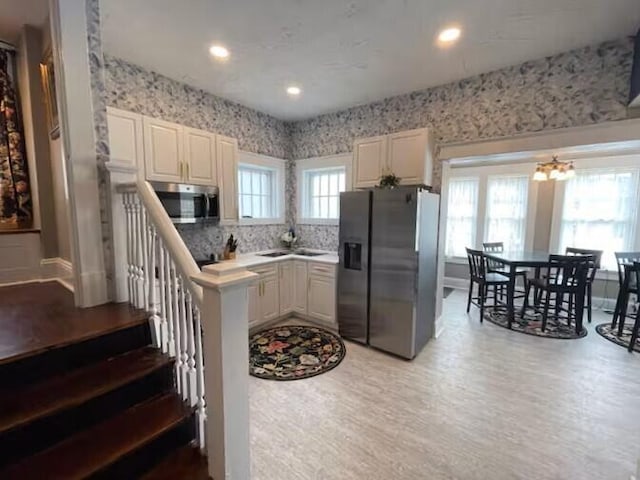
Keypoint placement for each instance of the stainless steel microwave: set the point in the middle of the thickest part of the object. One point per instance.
(189, 203)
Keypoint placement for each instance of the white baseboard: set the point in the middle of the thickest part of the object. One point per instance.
(457, 283)
(439, 326)
(57, 269)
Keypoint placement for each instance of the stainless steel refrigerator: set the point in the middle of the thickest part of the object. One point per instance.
(387, 273)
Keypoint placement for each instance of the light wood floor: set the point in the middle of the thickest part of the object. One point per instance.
(480, 402)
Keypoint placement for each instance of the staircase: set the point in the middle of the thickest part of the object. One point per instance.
(90, 399)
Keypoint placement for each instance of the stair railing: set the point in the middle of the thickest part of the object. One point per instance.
(198, 318)
(159, 272)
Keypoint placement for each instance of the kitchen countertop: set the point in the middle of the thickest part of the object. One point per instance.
(254, 259)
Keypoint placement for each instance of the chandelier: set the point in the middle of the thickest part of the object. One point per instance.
(554, 170)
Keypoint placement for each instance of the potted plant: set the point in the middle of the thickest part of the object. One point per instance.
(289, 238)
(389, 180)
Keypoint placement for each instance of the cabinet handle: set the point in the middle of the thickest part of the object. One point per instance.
(186, 164)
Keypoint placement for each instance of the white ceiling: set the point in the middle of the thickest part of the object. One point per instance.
(16, 13)
(345, 53)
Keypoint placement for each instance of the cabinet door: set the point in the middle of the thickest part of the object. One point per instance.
(125, 138)
(200, 157)
(254, 303)
(163, 150)
(286, 287)
(369, 160)
(322, 298)
(410, 156)
(270, 300)
(227, 154)
(300, 287)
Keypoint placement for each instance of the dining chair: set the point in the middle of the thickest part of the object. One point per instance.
(566, 275)
(494, 266)
(627, 286)
(484, 279)
(591, 274)
(635, 271)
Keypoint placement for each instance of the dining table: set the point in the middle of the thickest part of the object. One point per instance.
(514, 259)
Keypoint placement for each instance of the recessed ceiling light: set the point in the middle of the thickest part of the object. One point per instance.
(293, 90)
(449, 35)
(219, 51)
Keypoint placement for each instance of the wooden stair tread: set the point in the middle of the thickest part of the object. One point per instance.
(26, 404)
(36, 318)
(185, 463)
(96, 448)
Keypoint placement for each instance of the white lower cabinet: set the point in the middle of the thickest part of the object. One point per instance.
(266, 305)
(285, 270)
(254, 304)
(300, 287)
(303, 287)
(321, 294)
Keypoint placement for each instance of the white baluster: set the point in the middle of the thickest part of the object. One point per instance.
(184, 340)
(176, 327)
(137, 253)
(144, 230)
(201, 412)
(164, 331)
(152, 285)
(169, 302)
(126, 198)
(191, 352)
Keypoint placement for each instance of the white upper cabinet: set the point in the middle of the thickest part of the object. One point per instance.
(200, 157)
(369, 157)
(125, 138)
(408, 155)
(163, 151)
(227, 154)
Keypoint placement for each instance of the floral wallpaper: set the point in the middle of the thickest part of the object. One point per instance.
(581, 87)
(130, 87)
(133, 88)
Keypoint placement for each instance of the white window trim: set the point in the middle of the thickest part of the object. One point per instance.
(276, 164)
(483, 173)
(316, 163)
(558, 202)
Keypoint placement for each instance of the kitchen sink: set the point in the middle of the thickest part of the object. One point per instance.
(274, 254)
(306, 253)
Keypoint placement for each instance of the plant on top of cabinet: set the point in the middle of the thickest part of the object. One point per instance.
(389, 180)
(408, 154)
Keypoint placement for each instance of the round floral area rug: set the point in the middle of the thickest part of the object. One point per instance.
(294, 352)
(531, 324)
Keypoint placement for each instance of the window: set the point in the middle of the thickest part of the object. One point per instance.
(260, 189)
(506, 211)
(462, 213)
(323, 187)
(255, 192)
(600, 211)
(491, 203)
(320, 182)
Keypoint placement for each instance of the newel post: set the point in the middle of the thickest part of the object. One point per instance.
(225, 339)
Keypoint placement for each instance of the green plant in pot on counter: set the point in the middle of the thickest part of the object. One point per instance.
(389, 180)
